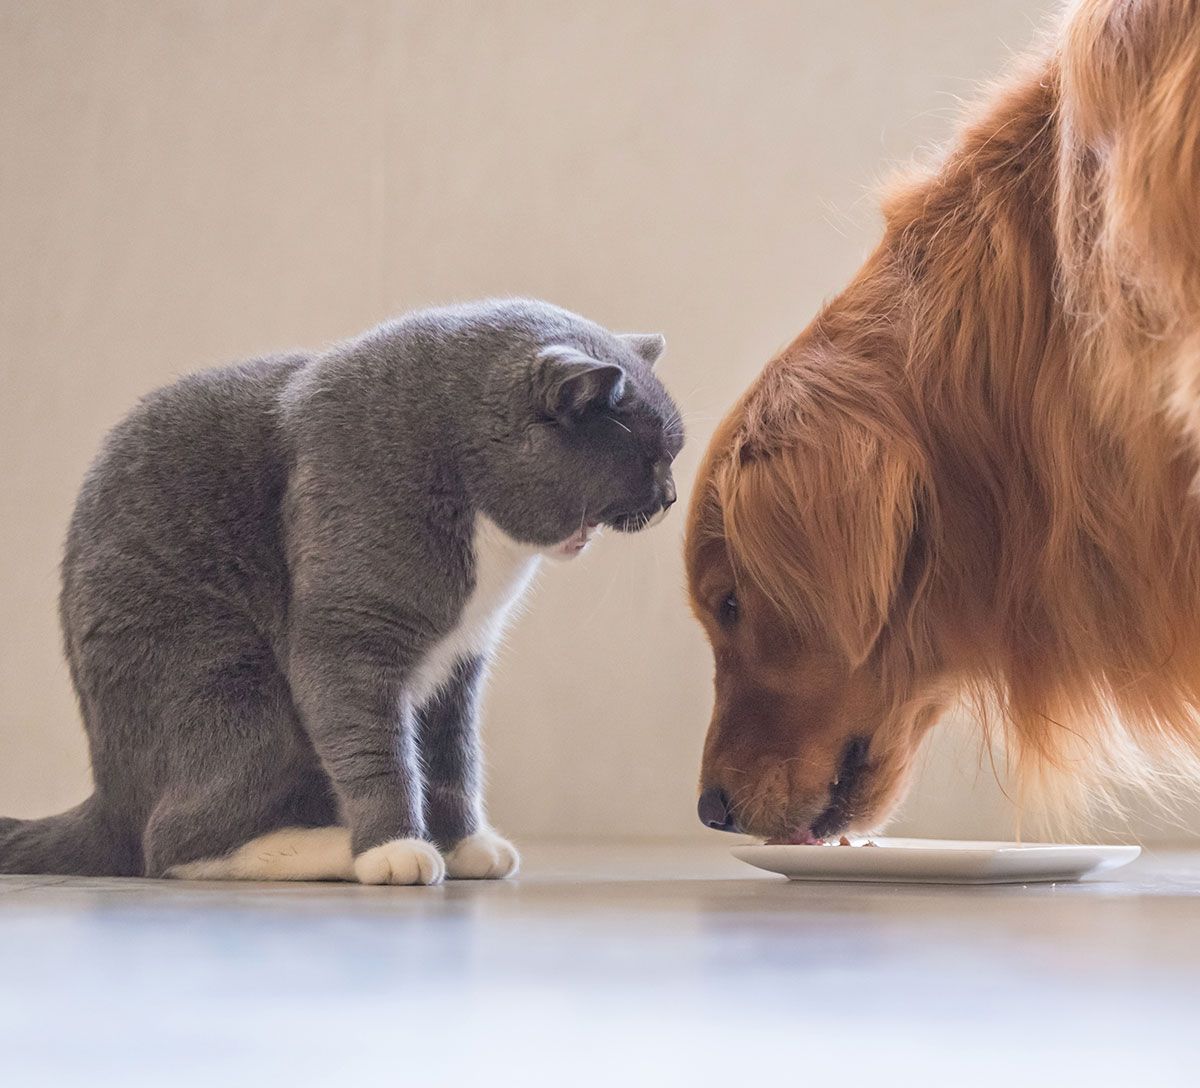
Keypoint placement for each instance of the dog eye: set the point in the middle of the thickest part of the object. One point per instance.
(727, 610)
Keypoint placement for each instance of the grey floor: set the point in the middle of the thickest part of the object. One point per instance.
(604, 966)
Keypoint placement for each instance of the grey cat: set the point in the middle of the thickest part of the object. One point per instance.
(283, 580)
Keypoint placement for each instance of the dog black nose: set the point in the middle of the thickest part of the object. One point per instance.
(714, 811)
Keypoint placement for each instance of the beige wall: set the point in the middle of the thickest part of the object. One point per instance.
(185, 183)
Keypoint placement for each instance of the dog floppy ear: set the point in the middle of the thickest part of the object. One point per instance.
(824, 526)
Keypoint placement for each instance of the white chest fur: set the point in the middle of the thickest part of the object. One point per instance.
(503, 571)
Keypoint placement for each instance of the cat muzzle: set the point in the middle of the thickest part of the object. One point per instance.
(642, 519)
(649, 516)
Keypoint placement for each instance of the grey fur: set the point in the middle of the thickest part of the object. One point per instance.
(261, 555)
(449, 742)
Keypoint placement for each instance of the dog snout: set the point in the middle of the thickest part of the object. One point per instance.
(853, 761)
(844, 790)
(714, 810)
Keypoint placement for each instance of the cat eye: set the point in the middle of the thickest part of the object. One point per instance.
(727, 610)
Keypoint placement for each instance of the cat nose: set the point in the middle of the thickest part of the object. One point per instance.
(713, 811)
(668, 493)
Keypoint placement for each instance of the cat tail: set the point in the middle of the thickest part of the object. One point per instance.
(79, 842)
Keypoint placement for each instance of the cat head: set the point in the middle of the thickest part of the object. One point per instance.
(585, 437)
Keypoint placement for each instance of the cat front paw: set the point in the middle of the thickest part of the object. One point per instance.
(401, 861)
(482, 856)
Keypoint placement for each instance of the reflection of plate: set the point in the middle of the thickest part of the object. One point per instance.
(938, 861)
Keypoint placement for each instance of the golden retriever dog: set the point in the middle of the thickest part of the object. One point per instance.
(975, 473)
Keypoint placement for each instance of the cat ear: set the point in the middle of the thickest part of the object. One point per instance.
(649, 345)
(567, 382)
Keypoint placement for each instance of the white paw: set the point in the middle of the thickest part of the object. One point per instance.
(401, 861)
(482, 856)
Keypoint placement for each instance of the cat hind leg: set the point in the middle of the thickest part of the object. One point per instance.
(291, 853)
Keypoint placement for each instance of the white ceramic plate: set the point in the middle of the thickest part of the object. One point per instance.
(938, 861)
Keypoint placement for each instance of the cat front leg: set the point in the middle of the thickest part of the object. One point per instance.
(453, 760)
(347, 673)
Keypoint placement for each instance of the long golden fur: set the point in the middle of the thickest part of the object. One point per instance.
(976, 470)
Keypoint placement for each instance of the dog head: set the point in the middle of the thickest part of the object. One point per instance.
(807, 566)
